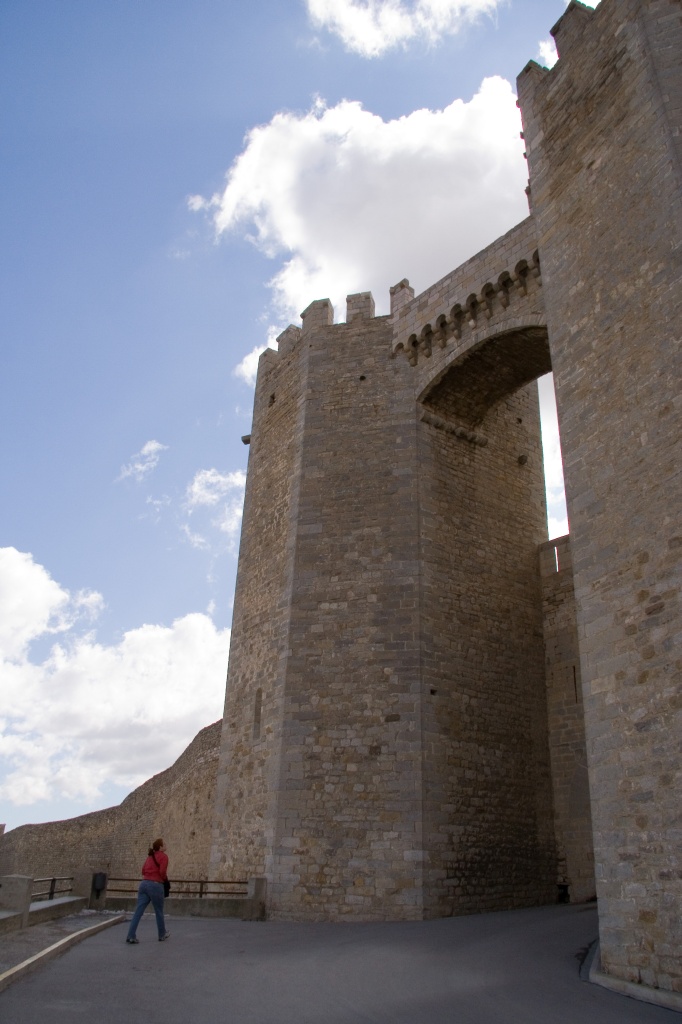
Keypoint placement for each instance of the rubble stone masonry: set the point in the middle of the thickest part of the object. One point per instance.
(385, 718)
(565, 712)
(602, 132)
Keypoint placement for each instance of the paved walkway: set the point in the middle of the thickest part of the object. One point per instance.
(515, 968)
(17, 946)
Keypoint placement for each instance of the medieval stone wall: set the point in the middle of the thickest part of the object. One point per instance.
(59, 848)
(349, 822)
(565, 712)
(488, 800)
(390, 627)
(495, 291)
(602, 138)
(457, 803)
(335, 845)
(176, 804)
(250, 756)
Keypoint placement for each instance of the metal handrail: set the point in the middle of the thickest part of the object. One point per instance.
(202, 890)
(53, 890)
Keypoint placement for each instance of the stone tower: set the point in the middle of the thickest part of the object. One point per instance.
(604, 149)
(394, 744)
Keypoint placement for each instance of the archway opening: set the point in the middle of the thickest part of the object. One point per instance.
(555, 494)
(499, 366)
(505, 780)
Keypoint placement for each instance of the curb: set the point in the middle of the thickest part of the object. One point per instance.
(55, 950)
(656, 996)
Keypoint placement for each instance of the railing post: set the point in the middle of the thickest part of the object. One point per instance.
(53, 884)
(15, 896)
(255, 894)
(201, 889)
(81, 885)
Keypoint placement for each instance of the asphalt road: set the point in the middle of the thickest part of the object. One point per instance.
(520, 967)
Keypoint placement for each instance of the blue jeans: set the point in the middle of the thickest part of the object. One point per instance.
(148, 892)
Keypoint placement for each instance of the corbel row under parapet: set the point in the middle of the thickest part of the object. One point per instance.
(478, 308)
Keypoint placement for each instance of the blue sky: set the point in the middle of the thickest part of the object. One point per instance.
(179, 181)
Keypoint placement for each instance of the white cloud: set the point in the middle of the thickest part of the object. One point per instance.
(32, 604)
(90, 714)
(155, 507)
(355, 203)
(349, 202)
(196, 203)
(195, 540)
(223, 495)
(209, 486)
(547, 55)
(229, 521)
(371, 27)
(143, 462)
(557, 526)
(247, 369)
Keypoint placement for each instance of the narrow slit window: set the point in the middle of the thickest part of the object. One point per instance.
(257, 710)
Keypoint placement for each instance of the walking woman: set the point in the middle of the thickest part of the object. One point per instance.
(151, 891)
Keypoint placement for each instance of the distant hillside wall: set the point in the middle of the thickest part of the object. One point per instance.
(176, 804)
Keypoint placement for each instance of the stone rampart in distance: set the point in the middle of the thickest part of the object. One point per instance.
(176, 804)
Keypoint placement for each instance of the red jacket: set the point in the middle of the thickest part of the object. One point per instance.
(155, 870)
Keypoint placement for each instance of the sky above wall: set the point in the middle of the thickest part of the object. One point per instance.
(179, 181)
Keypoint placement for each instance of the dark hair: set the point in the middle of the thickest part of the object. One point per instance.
(155, 847)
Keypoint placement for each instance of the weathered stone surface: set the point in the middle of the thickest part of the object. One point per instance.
(386, 719)
(176, 804)
(565, 714)
(602, 132)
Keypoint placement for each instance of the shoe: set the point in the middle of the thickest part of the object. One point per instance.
(164, 937)
(133, 942)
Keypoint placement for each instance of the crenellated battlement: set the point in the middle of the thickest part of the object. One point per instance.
(288, 339)
(319, 313)
(401, 294)
(569, 30)
(477, 308)
(578, 35)
(359, 307)
(568, 34)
